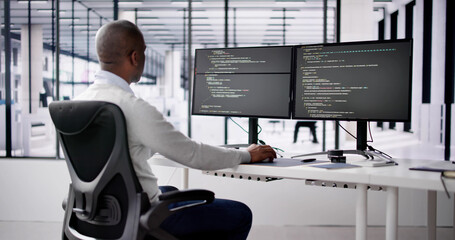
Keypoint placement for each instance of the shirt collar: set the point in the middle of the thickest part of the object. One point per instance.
(105, 77)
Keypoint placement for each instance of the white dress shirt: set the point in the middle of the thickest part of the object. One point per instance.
(150, 133)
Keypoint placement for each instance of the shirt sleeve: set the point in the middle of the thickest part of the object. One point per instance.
(154, 132)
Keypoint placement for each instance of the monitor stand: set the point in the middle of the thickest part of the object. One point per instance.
(362, 132)
(252, 135)
(253, 131)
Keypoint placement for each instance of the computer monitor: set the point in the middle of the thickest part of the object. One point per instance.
(359, 81)
(250, 82)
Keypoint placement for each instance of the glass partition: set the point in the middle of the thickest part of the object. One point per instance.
(34, 82)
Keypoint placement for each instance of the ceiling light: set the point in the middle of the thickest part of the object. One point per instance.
(148, 18)
(48, 10)
(69, 19)
(126, 2)
(164, 35)
(91, 33)
(81, 26)
(290, 1)
(282, 17)
(277, 25)
(168, 39)
(158, 30)
(193, 10)
(161, 27)
(203, 30)
(32, 1)
(181, 2)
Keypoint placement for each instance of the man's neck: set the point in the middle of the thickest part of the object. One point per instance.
(118, 72)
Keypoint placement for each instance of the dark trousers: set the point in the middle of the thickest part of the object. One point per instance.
(309, 124)
(222, 219)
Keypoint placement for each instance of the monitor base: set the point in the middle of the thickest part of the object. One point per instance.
(372, 158)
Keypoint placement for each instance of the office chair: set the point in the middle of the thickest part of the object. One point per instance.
(105, 199)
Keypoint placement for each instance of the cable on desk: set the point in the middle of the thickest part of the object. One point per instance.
(352, 135)
(370, 148)
(259, 140)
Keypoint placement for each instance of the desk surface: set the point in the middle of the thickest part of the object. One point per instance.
(401, 176)
(394, 176)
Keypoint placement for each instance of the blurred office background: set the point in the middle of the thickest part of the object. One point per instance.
(48, 54)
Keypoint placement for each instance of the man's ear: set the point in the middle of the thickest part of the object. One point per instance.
(133, 58)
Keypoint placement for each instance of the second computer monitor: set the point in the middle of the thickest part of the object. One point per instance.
(368, 81)
(243, 82)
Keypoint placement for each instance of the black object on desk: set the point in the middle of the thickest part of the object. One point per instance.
(308, 160)
(288, 162)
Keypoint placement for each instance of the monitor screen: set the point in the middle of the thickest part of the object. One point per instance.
(243, 82)
(354, 81)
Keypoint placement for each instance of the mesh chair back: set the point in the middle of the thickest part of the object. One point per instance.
(105, 198)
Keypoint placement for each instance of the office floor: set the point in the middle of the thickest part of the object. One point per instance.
(41, 230)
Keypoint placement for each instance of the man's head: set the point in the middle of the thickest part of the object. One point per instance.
(120, 47)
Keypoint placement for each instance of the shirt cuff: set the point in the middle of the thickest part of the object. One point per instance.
(245, 157)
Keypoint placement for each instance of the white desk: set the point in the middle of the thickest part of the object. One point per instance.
(401, 177)
(388, 178)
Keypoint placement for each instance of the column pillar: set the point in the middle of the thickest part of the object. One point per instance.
(36, 50)
(172, 72)
(357, 23)
(128, 15)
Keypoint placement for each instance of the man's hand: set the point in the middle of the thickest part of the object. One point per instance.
(260, 153)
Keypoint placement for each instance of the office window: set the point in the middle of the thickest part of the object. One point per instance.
(409, 34)
(393, 36)
(427, 35)
(15, 57)
(381, 30)
(394, 25)
(165, 28)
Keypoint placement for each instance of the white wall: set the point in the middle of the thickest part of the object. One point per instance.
(357, 20)
(428, 125)
(417, 70)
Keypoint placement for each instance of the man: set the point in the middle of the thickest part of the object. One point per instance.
(120, 47)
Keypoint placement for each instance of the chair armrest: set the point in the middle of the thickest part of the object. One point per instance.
(153, 218)
(188, 195)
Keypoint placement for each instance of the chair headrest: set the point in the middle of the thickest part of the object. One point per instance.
(71, 117)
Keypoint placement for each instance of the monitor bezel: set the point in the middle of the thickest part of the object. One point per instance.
(291, 83)
(409, 40)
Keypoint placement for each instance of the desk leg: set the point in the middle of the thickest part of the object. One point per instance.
(392, 214)
(185, 178)
(361, 213)
(431, 215)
